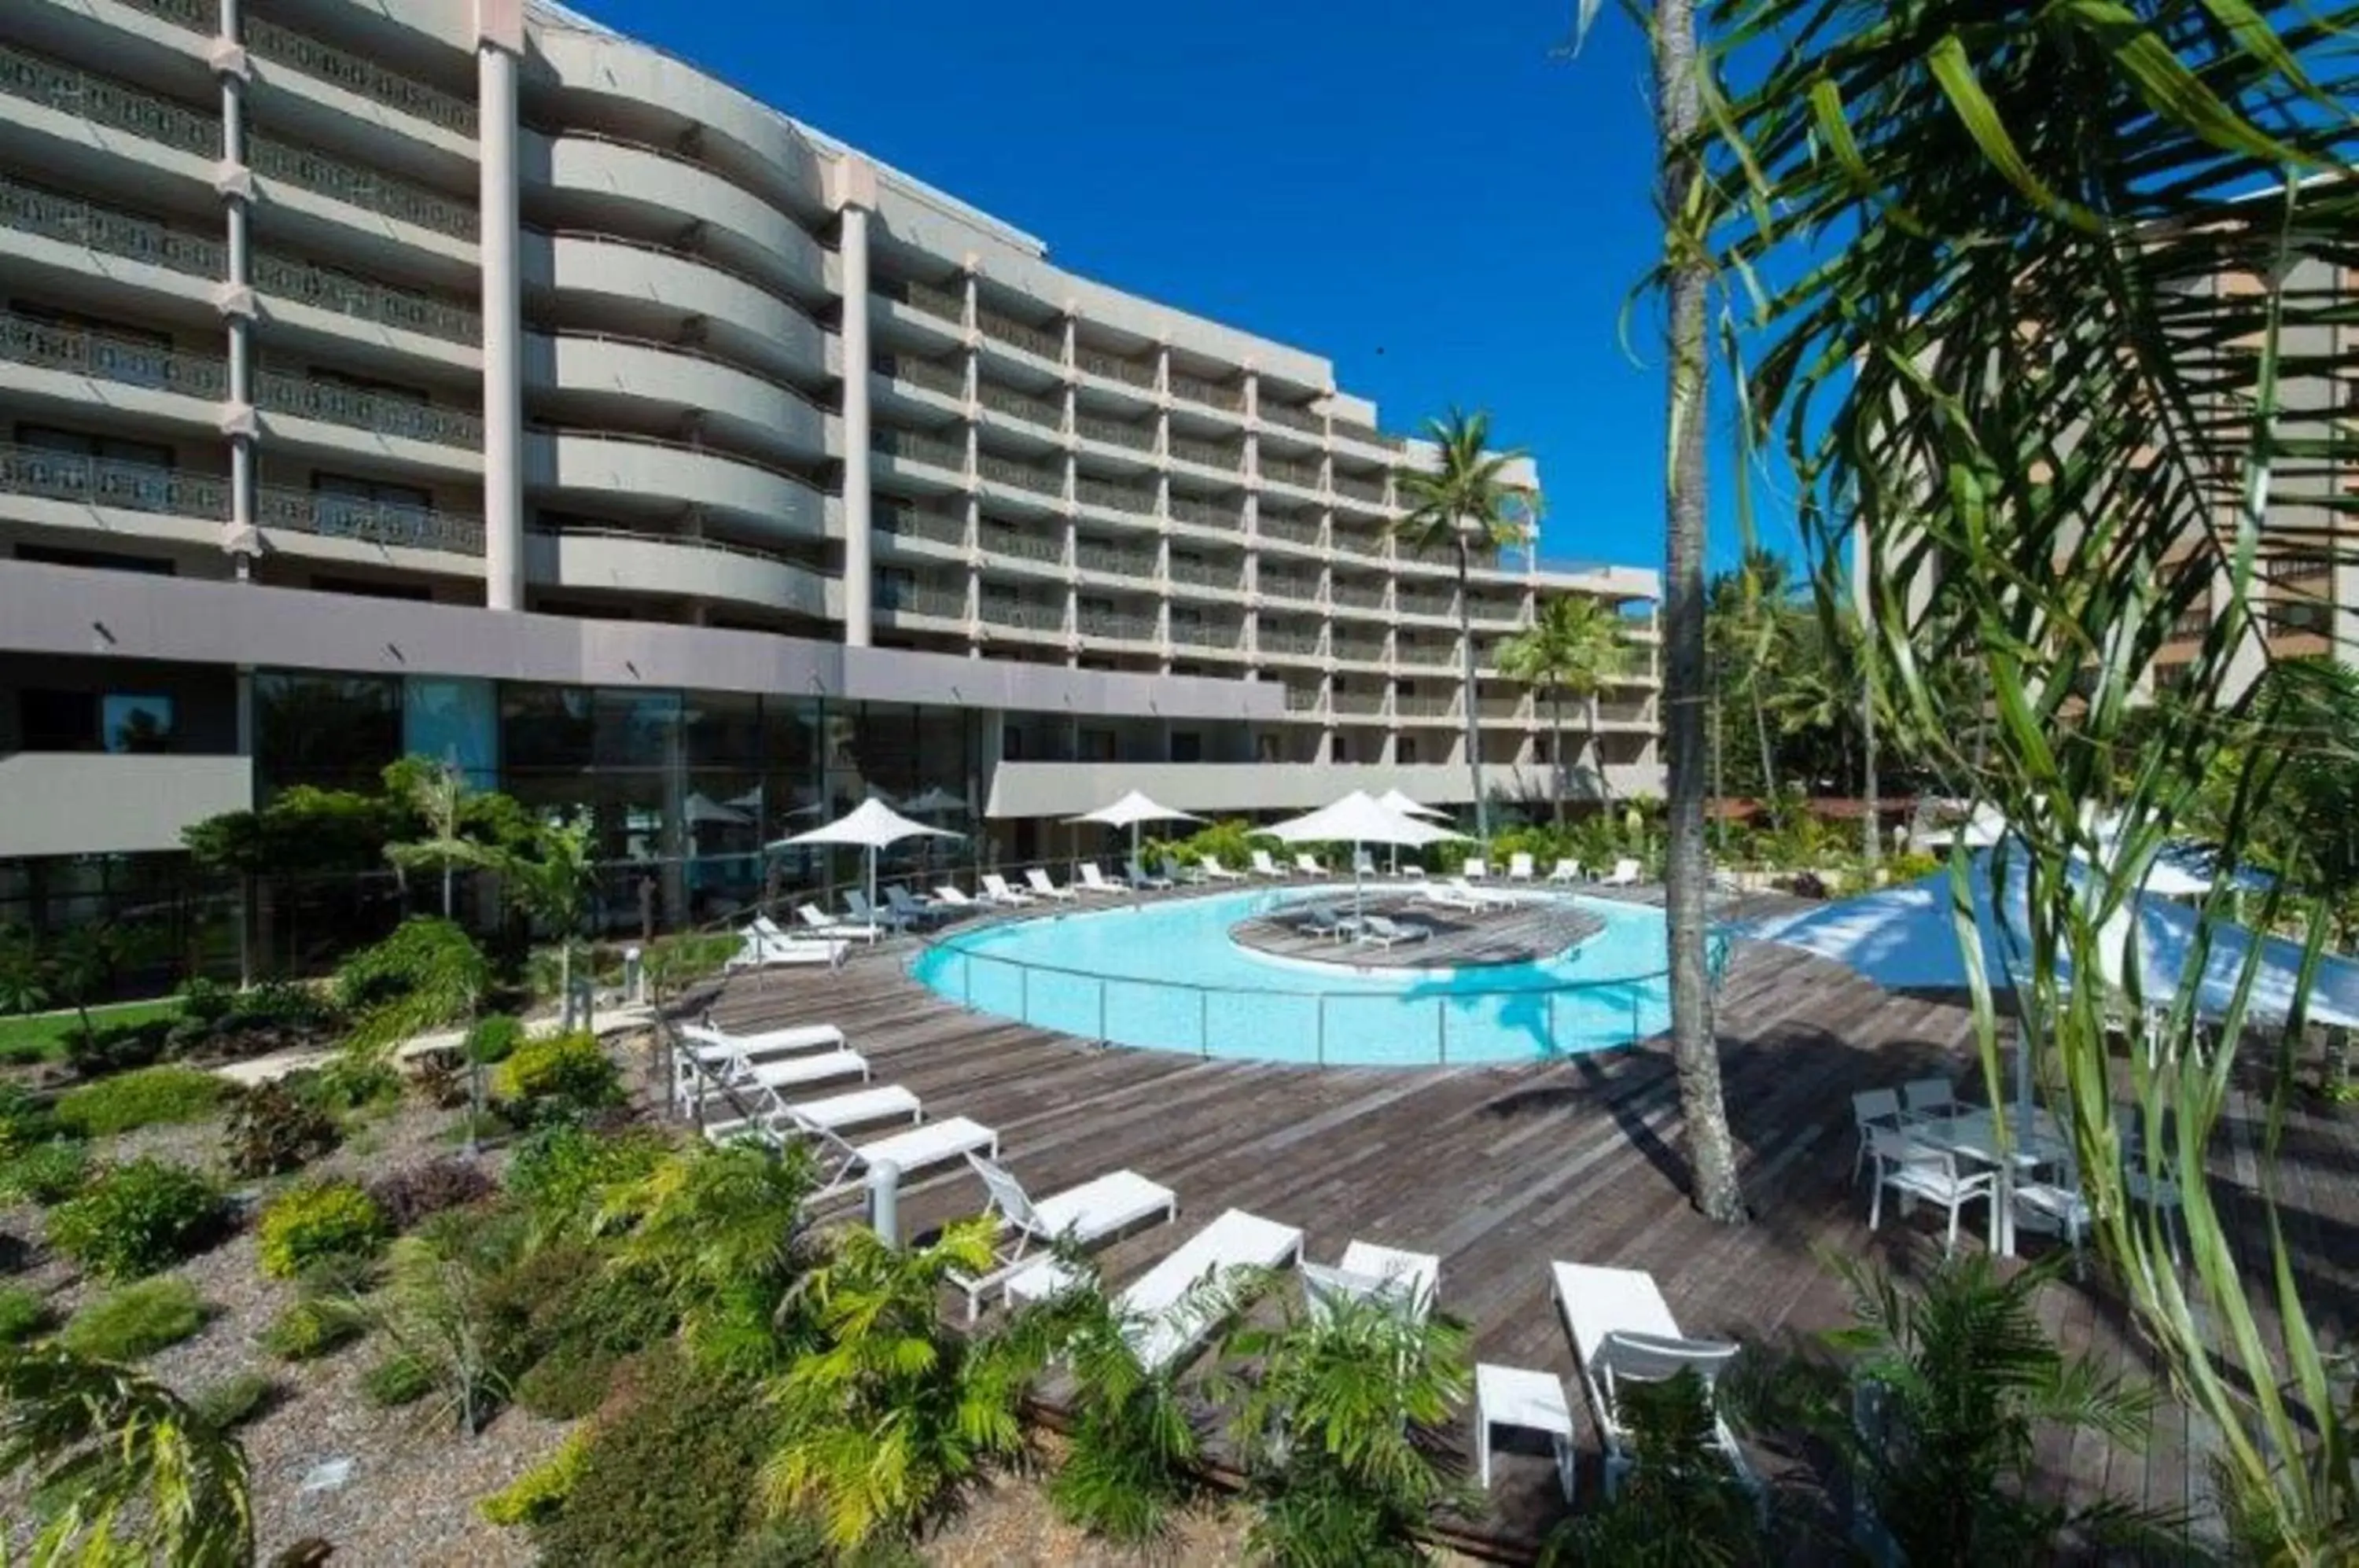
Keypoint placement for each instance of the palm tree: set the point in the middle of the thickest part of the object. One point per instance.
(128, 1473)
(554, 881)
(1573, 647)
(1465, 502)
(438, 792)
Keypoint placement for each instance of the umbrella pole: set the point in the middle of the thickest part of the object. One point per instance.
(1359, 895)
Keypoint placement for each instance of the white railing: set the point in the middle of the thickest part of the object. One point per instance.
(1015, 542)
(1022, 475)
(1021, 404)
(1117, 626)
(909, 522)
(1020, 335)
(921, 449)
(1111, 367)
(1115, 497)
(932, 375)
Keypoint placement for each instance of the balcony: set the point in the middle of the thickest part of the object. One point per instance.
(1114, 432)
(1425, 605)
(1370, 546)
(128, 486)
(1226, 578)
(1016, 544)
(1207, 634)
(1423, 707)
(1116, 627)
(1371, 490)
(331, 177)
(1279, 585)
(199, 16)
(1292, 418)
(1024, 614)
(911, 523)
(1496, 612)
(938, 303)
(1300, 475)
(1113, 367)
(1022, 406)
(1359, 650)
(1113, 562)
(2295, 567)
(1289, 529)
(1115, 497)
(74, 221)
(268, 40)
(333, 403)
(1048, 482)
(2190, 625)
(917, 448)
(1207, 455)
(102, 101)
(1278, 639)
(1504, 708)
(1427, 655)
(1204, 514)
(1625, 713)
(919, 599)
(949, 380)
(1356, 596)
(371, 522)
(1032, 340)
(1303, 699)
(326, 288)
(1212, 394)
(105, 358)
(1362, 704)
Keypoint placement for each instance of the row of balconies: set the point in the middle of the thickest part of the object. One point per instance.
(267, 39)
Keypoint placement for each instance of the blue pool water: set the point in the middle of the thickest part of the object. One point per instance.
(1167, 976)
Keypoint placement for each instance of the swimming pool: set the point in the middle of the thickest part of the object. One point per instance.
(1166, 976)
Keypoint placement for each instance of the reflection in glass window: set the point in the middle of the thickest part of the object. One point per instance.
(129, 722)
(453, 720)
(337, 732)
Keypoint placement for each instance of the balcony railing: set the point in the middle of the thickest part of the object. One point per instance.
(1357, 596)
(1496, 612)
(1358, 703)
(1116, 432)
(1352, 543)
(341, 292)
(920, 599)
(1022, 475)
(1285, 639)
(921, 449)
(1212, 394)
(938, 303)
(202, 15)
(1291, 418)
(1359, 651)
(1021, 334)
(1204, 574)
(32, 210)
(127, 360)
(1114, 624)
(1277, 585)
(1021, 404)
(1372, 491)
(1291, 530)
(2298, 616)
(1301, 699)
(1024, 614)
(104, 102)
(336, 404)
(1299, 475)
(1048, 550)
(359, 75)
(910, 522)
(1424, 604)
(1431, 655)
(1204, 514)
(1225, 458)
(2190, 625)
(2295, 567)
(1503, 708)
(131, 486)
(1351, 430)
(1207, 634)
(1421, 707)
(1113, 367)
(1115, 562)
(1624, 713)
(362, 187)
(1115, 497)
(373, 522)
(932, 375)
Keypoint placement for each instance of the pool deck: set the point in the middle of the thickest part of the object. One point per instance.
(1501, 1169)
(1527, 931)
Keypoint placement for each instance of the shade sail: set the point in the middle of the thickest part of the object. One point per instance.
(1133, 809)
(1393, 800)
(871, 825)
(1357, 819)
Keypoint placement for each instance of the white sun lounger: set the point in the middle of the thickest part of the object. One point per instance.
(1191, 876)
(844, 1165)
(818, 920)
(1447, 896)
(1308, 866)
(1093, 880)
(1265, 867)
(1483, 898)
(707, 1039)
(1039, 881)
(756, 950)
(996, 890)
(1476, 869)
(1622, 1331)
(1167, 1317)
(889, 1102)
(1519, 867)
(1625, 874)
(1384, 931)
(954, 896)
(1220, 873)
(1565, 871)
(1368, 1272)
(1090, 1212)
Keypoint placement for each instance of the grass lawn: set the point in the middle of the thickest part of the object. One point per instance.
(41, 1037)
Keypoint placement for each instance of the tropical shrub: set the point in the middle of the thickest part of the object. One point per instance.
(47, 1174)
(568, 1383)
(439, 1311)
(23, 1315)
(136, 1218)
(440, 1078)
(1132, 1449)
(493, 1038)
(276, 1127)
(559, 1173)
(353, 1078)
(307, 1330)
(400, 1379)
(144, 1097)
(137, 1321)
(24, 1120)
(421, 954)
(669, 1419)
(305, 1225)
(234, 1400)
(716, 1237)
(541, 1490)
(415, 1192)
(891, 1418)
(103, 1048)
(1683, 1508)
(558, 1075)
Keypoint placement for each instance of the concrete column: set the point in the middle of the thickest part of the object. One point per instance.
(499, 45)
(857, 194)
(236, 186)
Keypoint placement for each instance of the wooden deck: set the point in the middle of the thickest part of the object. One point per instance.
(1535, 929)
(1501, 1169)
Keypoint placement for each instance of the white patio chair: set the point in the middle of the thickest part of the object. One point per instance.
(1265, 867)
(1386, 932)
(1929, 1099)
(1872, 1109)
(1915, 1170)
(1623, 1331)
(1519, 867)
(818, 920)
(1368, 1272)
(2059, 1204)
(1093, 881)
(1476, 869)
(756, 950)
(1037, 880)
(1186, 875)
(996, 890)
(1107, 1205)
(954, 898)
(1565, 872)
(1626, 873)
(1220, 873)
(1309, 866)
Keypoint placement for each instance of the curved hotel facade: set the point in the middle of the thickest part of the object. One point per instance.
(460, 375)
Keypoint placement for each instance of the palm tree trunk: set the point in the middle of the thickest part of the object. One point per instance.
(1711, 1152)
(1473, 720)
(1875, 828)
(1556, 749)
(1761, 732)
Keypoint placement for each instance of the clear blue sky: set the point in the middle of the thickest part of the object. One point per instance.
(1436, 200)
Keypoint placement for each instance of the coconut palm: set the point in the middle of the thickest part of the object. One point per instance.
(1573, 647)
(438, 792)
(553, 877)
(123, 1470)
(1465, 502)
(2061, 332)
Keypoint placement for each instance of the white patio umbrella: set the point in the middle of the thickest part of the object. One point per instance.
(703, 810)
(1132, 810)
(872, 825)
(936, 799)
(1358, 819)
(1394, 800)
